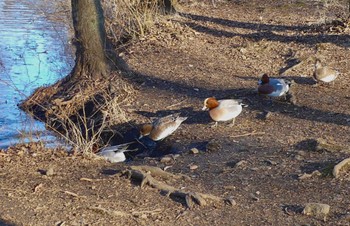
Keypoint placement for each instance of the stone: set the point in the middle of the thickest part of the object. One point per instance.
(316, 209)
(342, 166)
(193, 167)
(50, 171)
(194, 151)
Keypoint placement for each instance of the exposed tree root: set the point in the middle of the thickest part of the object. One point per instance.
(191, 198)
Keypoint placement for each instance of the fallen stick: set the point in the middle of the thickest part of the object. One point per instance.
(73, 194)
(156, 171)
(191, 198)
(248, 134)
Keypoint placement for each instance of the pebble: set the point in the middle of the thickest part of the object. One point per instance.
(193, 167)
(194, 151)
(241, 163)
(50, 171)
(231, 202)
(345, 164)
(166, 159)
(316, 209)
(309, 175)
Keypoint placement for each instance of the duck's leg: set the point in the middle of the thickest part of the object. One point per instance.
(232, 123)
(214, 125)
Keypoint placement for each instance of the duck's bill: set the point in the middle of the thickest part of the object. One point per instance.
(204, 108)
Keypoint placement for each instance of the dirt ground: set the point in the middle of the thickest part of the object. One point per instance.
(270, 166)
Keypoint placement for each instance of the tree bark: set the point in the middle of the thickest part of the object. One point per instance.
(91, 42)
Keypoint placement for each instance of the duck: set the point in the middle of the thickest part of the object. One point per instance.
(324, 74)
(161, 127)
(273, 87)
(223, 110)
(115, 153)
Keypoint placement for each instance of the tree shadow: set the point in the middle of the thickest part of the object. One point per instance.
(297, 79)
(307, 144)
(265, 31)
(249, 97)
(325, 167)
(6, 223)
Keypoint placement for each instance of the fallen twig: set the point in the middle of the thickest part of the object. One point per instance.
(88, 179)
(248, 134)
(156, 171)
(117, 213)
(73, 194)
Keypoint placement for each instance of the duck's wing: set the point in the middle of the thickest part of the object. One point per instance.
(116, 149)
(165, 120)
(165, 126)
(230, 102)
(281, 86)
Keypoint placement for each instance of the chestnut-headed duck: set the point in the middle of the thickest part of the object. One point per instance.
(273, 87)
(115, 153)
(324, 73)
(222, 110)
(162, 127)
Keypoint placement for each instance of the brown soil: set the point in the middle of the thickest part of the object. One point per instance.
(204, 52)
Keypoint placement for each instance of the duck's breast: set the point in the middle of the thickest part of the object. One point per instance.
(226, 112)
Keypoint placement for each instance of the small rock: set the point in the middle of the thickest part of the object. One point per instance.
(243, 50)
(316, 209)
(193, 167)
(50, 172)
(166, 159)
(194, 151)
(309, 175)
(241, 163)
(231, 201)
(271, 162)
(254, 197)
(342, 166)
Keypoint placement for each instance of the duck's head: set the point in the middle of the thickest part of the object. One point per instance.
(264, 79)
(210, 103)
(145, 130)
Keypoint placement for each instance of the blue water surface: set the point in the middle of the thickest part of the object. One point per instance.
(33, 52)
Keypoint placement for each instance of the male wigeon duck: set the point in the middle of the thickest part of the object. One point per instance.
(162, 127)
(223, 110)
(273, 87)
(323, 73)
(115, 153)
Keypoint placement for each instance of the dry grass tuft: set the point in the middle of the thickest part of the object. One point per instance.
(82, 115)
(127, 20)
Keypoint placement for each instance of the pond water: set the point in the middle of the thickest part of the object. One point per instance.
(33, 52)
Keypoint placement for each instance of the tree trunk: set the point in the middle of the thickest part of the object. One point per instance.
(92, 59)
(78, 96)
